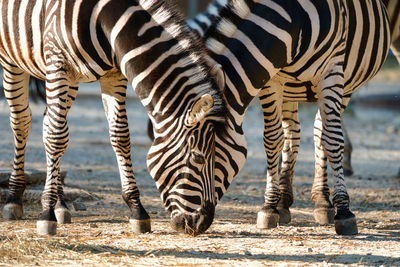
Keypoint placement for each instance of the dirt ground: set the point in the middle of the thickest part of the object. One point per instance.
(101, 235)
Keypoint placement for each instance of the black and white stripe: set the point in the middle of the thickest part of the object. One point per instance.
(288, 52)
(142, 42)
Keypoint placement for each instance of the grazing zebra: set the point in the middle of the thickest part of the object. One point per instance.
(293, 51)
(202, 23)
(144, 42)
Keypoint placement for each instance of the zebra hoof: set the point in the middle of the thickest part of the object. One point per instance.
(46, 227)
(346, 226)
(12, 211)
(324, 216)
(345, 223)
(284, 216)
(140, 226)
(63, 215)
(267, 218)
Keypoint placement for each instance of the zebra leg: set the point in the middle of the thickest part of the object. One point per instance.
(60, 94)
(62, 212)
(15, 83)
(291, 129)
(323, 209)
(271, 101)
(330, 104)
(113, 95)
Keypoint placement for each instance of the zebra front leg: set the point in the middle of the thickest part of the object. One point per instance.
(62, 211)
(271, 101)
(15, 83)
(291, 129)
(113, 95)
(59, 97)
(324, 212)
(330, 104)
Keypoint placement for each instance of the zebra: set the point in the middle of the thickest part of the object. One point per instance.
(285, 53)
(145, 43)
(202, 23)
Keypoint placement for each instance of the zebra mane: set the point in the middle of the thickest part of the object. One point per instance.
(226, 27)
(202, 22)
(166, 14)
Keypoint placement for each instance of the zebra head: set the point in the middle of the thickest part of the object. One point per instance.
(181, 161)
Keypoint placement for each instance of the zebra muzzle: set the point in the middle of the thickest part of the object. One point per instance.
(194, 223)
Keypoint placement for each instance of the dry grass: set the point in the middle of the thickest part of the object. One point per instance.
(101, 236)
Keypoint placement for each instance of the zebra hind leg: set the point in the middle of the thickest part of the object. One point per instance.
(332, 140)
(113, 95)
(291, 128)
(15, 83)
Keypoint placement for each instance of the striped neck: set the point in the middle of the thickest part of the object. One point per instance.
(158, 55)
(228, 16)
(231, 15)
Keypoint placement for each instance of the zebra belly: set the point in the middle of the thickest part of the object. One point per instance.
(299, 92)
(295, 90)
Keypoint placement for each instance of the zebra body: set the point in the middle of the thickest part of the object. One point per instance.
(115, 41)
(293, 51)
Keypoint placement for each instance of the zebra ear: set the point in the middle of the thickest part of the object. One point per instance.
(199, 110)
(218, 73)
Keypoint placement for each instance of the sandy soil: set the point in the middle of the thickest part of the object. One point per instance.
(101, 235)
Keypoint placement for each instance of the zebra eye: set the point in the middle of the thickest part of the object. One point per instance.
(198, 158)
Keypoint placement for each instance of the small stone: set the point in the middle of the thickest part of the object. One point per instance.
(298, 243)
(93, 225)
(252, 188)
(78, 206)
(116, 232)
(248, 253)
(309, 250)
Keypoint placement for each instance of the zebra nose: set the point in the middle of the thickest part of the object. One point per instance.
(194, 223)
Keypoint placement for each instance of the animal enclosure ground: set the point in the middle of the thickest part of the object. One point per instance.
(101, 235)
